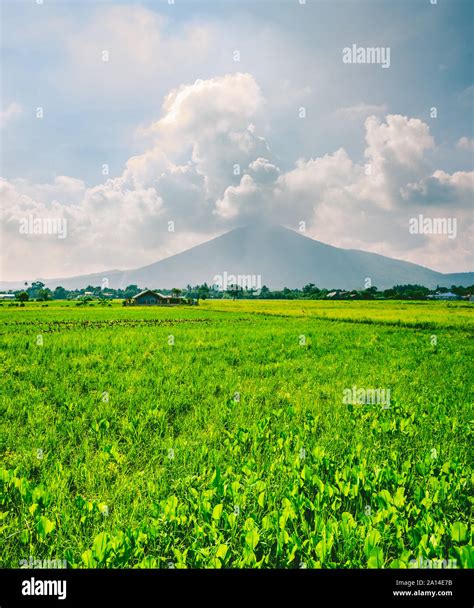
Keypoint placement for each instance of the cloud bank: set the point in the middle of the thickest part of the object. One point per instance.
(208, 168)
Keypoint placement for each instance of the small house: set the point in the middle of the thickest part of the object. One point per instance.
(445, 296)
(148, 297)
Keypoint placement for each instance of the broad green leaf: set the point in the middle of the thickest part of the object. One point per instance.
(375, 558)
(217, 511)
(386, 497)
(397, 564)
(44, 526)
(372, 539)
(459, 532)
(320, 550)
(399, 498)
(466, 555)
(88, 559)
(251, 538)
(222, 551)
(99, 546)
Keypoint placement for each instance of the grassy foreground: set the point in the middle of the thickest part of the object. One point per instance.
(217, 436)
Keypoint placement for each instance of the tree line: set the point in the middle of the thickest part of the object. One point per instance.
(39, 292)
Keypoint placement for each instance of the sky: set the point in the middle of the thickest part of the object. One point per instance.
(151, 127)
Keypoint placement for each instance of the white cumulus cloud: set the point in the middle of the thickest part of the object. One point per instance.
(208, 169)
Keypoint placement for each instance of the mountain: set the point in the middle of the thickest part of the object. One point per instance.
(278, 256)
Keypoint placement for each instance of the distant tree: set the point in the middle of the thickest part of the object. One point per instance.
(406, 292)
(234, 291)
(23, 296)
(44, 294)
(176, 292)
(60, 293)
(461, 291)
(131, 291)
(289, 294)
(203, 291)
(310, 290)
(35, 288)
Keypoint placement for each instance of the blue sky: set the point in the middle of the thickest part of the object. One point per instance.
(98, 113)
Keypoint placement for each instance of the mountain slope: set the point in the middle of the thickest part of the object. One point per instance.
(281, 257)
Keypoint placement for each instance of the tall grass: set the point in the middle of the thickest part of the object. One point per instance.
(215, 436)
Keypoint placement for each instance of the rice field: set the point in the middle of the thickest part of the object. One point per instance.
(221, 436)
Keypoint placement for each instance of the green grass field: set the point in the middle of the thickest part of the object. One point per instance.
(217, 436)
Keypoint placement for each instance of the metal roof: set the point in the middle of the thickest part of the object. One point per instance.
(155, 293)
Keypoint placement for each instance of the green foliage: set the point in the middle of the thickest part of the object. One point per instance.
(204, 292)
(120, 449)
